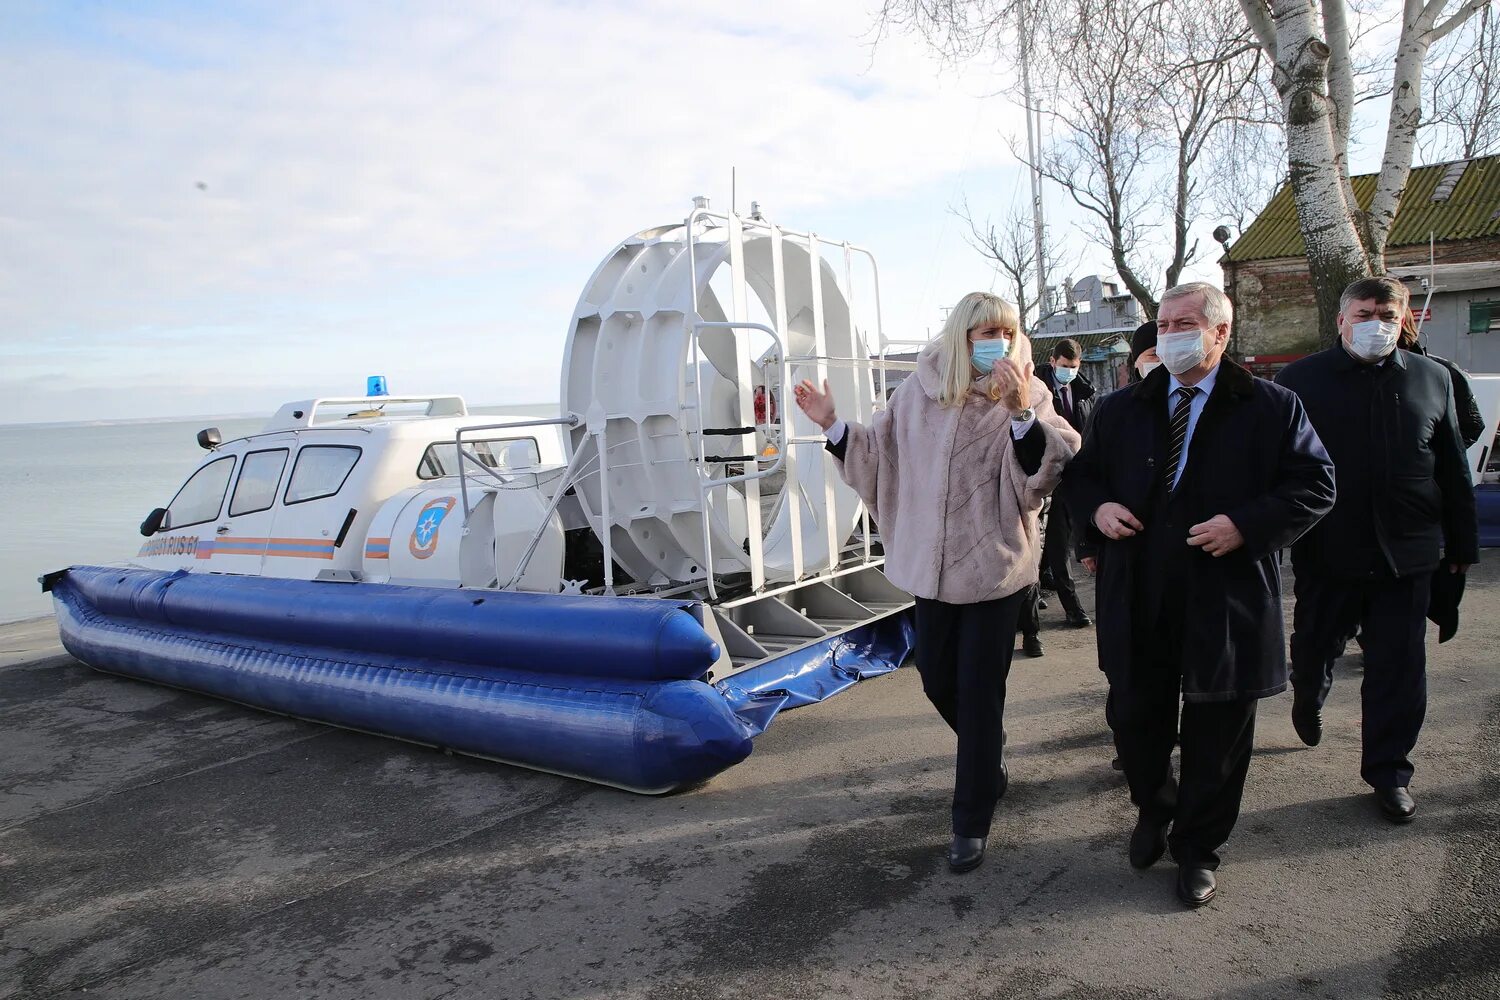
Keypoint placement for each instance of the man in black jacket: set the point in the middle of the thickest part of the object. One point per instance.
(1405, 508)
(1190, 482)
(1073, 398)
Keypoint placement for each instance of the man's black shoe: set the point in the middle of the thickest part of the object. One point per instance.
(1041, 604)
(1080, 620)
(1032, 644)
(1195, 886)
(1117, 764)
(1397, 804)
(965, 853)
(1148, 842)
(1307, 719)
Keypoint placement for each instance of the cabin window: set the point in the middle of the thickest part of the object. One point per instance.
(260, 474)
(202, 495)
(320, 471)
(502, 454)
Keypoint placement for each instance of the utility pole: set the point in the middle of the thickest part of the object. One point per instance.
(1033, 149)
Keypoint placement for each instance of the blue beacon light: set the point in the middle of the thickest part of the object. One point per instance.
(375, 386)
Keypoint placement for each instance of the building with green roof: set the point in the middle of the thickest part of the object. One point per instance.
(1445, 243)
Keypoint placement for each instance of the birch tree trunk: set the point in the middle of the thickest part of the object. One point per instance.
(1341, 92)
(1419, 29)
(1326, 211)
(1401, 129)
(1314, 81)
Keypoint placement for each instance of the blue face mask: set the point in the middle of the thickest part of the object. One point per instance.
(1064, 375)
(986, 352)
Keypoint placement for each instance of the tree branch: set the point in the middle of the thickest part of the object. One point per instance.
(1468, 10)
(1340, 69)
(1258, 15)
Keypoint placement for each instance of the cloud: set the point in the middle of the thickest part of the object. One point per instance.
(182, 170)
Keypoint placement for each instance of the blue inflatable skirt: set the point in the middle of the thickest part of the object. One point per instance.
(608, 690)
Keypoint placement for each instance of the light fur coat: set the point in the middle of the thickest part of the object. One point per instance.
(957, 514)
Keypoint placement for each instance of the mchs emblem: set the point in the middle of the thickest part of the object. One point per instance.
(424, 536)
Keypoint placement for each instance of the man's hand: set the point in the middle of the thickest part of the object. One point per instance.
(1217, 536)
(817, 405)
(1116, 522)
(1090, 563)
(1459, 568)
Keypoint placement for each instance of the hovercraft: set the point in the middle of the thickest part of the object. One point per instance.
(626, 593)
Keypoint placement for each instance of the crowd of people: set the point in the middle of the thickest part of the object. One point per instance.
(1180, 492)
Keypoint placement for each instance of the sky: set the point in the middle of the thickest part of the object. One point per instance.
(213, 209)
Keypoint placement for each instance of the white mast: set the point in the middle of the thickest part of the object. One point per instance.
(1033, 149)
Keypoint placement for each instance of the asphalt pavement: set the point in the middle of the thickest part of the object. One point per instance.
(157, 844)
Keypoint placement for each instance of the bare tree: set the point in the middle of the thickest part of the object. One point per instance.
(1141, 98)
(1011, 246)
(1461, 119)
(1309, 46)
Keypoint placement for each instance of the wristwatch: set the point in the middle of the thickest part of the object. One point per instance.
(1025, 415)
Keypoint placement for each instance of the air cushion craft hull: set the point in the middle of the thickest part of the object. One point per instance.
(609, 690)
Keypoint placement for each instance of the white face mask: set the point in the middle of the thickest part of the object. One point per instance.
(1181, 351)
(1373, 339)
(1147, 367)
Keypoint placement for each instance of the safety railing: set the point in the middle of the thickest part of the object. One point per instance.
(747, 427)
(734, 234)
(458, 447)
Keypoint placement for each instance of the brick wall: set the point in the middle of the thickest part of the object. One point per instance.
(1274, 310)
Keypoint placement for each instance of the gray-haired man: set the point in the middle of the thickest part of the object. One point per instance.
(1190, 482)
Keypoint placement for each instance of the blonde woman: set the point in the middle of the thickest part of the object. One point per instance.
(954, 471)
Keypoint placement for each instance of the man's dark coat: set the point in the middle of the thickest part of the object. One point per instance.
(1081, 391)
(1404, 484)
(1254, 457)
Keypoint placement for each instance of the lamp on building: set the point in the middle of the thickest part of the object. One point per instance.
(1221, 236)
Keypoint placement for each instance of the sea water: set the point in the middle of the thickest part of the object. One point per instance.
(77, 493)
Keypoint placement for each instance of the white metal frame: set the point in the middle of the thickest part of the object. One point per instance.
(735, 233)
(750, 479)
(759, 621)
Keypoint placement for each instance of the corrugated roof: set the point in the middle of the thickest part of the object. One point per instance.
(1041, 348)
(1471, 210)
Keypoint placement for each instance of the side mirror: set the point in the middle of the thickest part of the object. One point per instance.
(156, 521)
(209, 438)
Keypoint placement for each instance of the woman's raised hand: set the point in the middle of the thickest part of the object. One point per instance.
(817, 405)
(1012, 375)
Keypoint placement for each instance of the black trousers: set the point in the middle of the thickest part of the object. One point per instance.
(1391, 614)
(1216, 737)
(963, 655)
(1030, 620)
(1057, 549)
